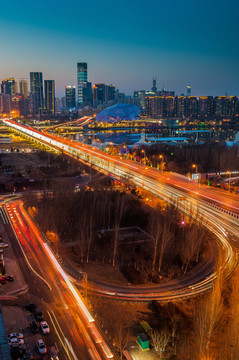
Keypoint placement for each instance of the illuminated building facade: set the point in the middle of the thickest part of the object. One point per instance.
(180, 104)
(205, 106)
(82, 77)
(9, 86)
(221, 106)
(49, 86)
(192, 106)
(36, 87)
(70, 96)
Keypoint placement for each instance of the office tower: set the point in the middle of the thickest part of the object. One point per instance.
(23, 85)
(36, 87)
(70, 95)
(87, 94)
(168, 106)
(205, 106)
(180, 106)
(100, 93)
(221, 106)
(15, 111)
(154, 87)
(81, 82)
(5, 103)
(192, 106)
(188, 90)
(9, 86)
(140, 95)
(233, 106)
(154, 106)
(111, 92)
(49, 96)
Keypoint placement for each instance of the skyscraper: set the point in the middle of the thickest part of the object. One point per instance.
(154, 106)
(36, 86)
(233, 106)
(154, 87)
(205, 105)
(23, 84)
(50, 96)
(111, 92)
(9, 86)
(81, 82)
(221, 106)
(70, 95)
(169, 106)
(192, 106)
(188, 90)
(180, 106)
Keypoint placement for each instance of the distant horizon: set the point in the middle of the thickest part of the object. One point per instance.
(61, 93)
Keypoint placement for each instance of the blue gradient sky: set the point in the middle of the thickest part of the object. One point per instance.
(125, 43)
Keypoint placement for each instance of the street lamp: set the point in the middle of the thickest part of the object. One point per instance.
(162, 160)
(196, 168)
(229, 173)
(143, 151)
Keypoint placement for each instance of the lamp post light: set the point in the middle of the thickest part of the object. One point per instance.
(196, 168)
(162, 161)
(143, 151)
(229, 182)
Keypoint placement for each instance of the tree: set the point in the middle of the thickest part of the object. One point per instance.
(119, 209)
(160, 341)
(155, 230)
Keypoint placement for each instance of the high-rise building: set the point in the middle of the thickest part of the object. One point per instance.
(140, 95)
(221, 106)
(154, 106)
(169, 106)
(36, 87)
(87, 94)
(82, 78)
(165, 93)
(49, 96)
(100, 93)
(111, 92)
(23, 88)
(70, 95)
(233, 106)
(188, 90)
(5, 103)
(205, 106)
(180, 106)
(154, 87)
(9, 86)
(192, 106)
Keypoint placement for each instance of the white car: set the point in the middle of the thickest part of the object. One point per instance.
(15, 335)
(44, 327)
(41, 347)
(15, 342)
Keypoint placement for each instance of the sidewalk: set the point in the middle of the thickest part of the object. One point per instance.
(12, 269)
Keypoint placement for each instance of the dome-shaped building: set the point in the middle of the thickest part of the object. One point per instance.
(119, 112)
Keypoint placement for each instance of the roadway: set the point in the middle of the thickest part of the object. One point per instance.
(76, 333)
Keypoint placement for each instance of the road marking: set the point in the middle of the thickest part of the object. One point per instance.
(28, 263)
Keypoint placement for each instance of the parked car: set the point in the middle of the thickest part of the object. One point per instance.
(15, 342)
(8, 278)
(31, 307)
(2, 281)
(45, 328)
(38, 314)
(34, 327)
(28, 357)
(15, 335)
(41, 347)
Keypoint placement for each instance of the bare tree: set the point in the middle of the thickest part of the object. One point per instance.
(155, 230)
(160, 341)
(167, 235)
(119, 209)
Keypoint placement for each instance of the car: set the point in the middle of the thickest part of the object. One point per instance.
(34, 327)
(17, 351)
(41, 347)
(15, 335)
(31, 307)
(44, 327)
(15, 342)
(38, 314)
(8, 278)
(28, 357)
(2, 281)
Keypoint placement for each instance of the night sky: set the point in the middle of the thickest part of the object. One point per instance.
(126, 43)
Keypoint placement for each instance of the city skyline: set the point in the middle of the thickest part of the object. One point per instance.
(125, 45)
